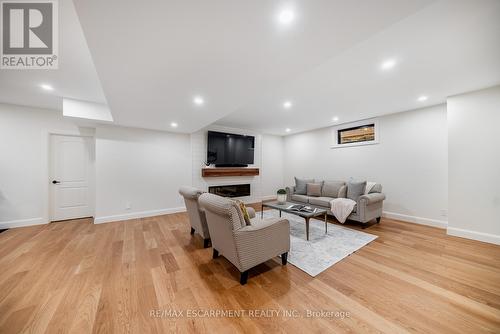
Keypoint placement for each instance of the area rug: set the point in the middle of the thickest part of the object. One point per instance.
(322, 250)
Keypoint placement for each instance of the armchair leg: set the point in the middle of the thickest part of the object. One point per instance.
(378, 220)
(244, 278)
(206, 243)
(215, 254)
(192, 231)
(284, 258)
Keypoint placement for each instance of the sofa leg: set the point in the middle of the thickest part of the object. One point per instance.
(215, 254)
(206, 243)
(244, 278)
(378, 220)
(284, 258)
(192, 231)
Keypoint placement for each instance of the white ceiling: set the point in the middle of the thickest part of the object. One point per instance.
(75, 78)
(152, 57)
(445, 49)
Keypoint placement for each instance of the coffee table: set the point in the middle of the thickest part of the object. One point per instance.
(306, 215)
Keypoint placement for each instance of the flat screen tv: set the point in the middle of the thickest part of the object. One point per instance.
(229, 149)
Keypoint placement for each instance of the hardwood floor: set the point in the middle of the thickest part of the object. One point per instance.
(77, 277)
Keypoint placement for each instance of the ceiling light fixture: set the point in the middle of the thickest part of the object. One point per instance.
(174, 125)
(198, 100)
(47, 87)
(288, 130)
(287, 104)
(388, 64)
(286, 16)
(335, 119)
(422, 98)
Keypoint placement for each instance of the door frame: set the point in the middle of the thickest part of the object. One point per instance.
(47, 167)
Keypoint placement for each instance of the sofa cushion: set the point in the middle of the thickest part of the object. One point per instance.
(301, 185)
(331, 188)
(314, 189)
(321, 201)
(355, 189)
(300, 198)
(377, 188)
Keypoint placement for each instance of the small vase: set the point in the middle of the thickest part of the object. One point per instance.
(281, 198)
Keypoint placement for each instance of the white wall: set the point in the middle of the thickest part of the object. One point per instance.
(139, 172)
(24, 163)
(141, 167)
(474, 165)
(410, 162)
(272, 165)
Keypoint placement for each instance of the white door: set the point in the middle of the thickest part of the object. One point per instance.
(71, 177)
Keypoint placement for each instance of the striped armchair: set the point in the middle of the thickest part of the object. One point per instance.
(196, 215)
(244, 245)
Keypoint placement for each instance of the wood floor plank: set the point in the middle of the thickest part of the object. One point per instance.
(77, 277)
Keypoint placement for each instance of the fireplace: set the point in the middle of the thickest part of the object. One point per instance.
(233, 190)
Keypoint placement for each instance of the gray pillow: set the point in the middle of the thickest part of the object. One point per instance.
(355, 189)
(314, 189)
(331, 188)
(301, 185)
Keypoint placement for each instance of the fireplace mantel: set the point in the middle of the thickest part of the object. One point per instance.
(229, 171)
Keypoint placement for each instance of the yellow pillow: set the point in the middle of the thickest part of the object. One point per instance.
(243, 209)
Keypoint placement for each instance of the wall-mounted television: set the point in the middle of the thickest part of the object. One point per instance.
(229, 149)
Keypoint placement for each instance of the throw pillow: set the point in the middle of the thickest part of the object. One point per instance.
(301, 185)
(331, 188)
(244, 211)
(313, 189)
(355, 189)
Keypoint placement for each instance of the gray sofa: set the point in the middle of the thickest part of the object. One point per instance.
(368, 207)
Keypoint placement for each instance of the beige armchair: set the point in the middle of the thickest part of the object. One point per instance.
(244, 245)
(195, 213)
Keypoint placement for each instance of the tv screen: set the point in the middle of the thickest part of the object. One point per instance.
(229, 149)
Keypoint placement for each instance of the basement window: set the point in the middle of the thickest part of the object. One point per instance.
(357, 134)
(365, 132)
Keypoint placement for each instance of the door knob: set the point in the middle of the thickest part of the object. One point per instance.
(56, 182)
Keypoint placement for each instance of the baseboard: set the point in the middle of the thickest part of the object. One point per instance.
(22, 223)
(479, 236)
(136, 215)
(416, 220)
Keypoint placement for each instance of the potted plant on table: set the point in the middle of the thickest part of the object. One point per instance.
(281, 196)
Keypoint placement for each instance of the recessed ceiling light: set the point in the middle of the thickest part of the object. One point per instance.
(286, 16)
(388, 64)
(174, 125)
(198, 100)
(287, 104)
(288, 130)
(46, 87)
(335, 119)
(422, 98)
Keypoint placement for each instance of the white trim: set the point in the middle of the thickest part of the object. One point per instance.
(416, 220)
(135, 215)
(23, 223)
(336, 128)
(479, 236)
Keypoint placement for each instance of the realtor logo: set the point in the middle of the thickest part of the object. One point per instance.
(29, 38)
